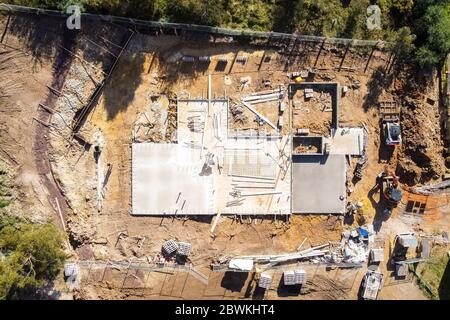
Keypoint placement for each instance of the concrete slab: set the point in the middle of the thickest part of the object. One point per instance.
(318, 183)
(162, 171)
(163, 180)
(347, 141)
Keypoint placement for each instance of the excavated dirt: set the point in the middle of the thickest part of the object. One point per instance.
(420, 159)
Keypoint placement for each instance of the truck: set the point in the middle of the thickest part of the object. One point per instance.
(371, 285)
(390, 122)
(392, 133)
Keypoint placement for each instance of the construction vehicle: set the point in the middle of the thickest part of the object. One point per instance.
(371, 285)
(390, 188)
(298, 76)
(402, 243)
(405, 253)
(390, 122)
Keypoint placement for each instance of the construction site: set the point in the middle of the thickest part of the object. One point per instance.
(198, 163)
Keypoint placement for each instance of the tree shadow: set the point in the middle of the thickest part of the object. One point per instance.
(351, 25)
(44, 292)
(103, 45)
(284, 17)
(40, 34)
(120, 90)
(47, 38)
(378, 82)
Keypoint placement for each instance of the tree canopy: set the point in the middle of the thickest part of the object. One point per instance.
(428, 21)
(30, 254)
(434, 31)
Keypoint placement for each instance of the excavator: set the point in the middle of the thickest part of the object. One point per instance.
(390, 188)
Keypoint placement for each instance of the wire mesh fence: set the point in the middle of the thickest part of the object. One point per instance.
(185, 281)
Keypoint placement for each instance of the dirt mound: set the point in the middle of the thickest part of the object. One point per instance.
(420, 159)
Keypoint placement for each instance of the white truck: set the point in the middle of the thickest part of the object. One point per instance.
(390, 119)
(371, 285)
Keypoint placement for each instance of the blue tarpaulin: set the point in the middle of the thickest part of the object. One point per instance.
(363, 232)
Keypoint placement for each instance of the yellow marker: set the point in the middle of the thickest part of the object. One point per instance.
(298, 79)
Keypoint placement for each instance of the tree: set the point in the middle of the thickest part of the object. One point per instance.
(319, 17)
(403, 42)
(434, 34)
(208, 12)
(30, 255)
(356, 20)
(425, 57)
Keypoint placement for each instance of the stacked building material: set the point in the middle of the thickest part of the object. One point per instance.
(261, 97)
(187, 59)
(300, 276)
(407, 240)
(294, 277)
(377, 255)
(288, 278)
(401, 270)
(204, 58)
(265, 281)
(184, 248)
(241, 264)
(308, 93)
(169, 247)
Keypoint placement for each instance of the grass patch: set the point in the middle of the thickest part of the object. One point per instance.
(433, 275)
